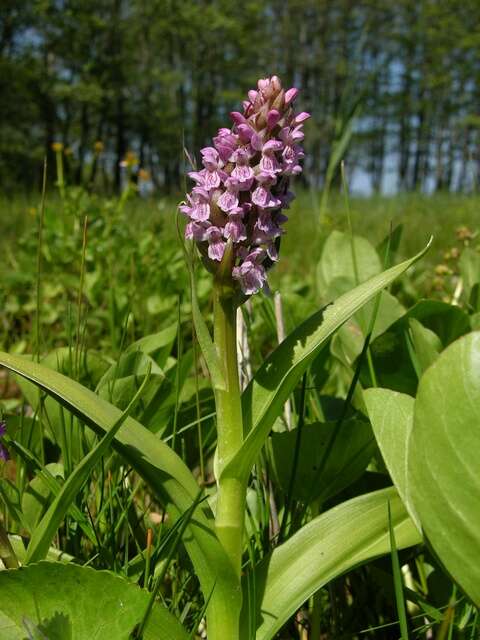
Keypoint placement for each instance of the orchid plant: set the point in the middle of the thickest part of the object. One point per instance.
(235, 221)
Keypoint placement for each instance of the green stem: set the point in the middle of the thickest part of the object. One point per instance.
(7, 554)
(60, 178)
(230, 515)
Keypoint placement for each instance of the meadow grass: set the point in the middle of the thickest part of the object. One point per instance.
(421, 215)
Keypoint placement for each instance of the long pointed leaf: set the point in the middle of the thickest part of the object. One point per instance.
(266, 394)
(328, 546)
(45, 531)
(391, 415)
(161, 468)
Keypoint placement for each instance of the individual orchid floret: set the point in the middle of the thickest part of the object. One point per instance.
(225, 142)
(216, 244)
(235, 229)
(229, 198)
(200, 205)
(269, 163)
(251, 276)
(243, 172)
(240, 192)
(195, 231)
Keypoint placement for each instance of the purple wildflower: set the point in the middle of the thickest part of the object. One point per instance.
(243, 186)
(4, 455)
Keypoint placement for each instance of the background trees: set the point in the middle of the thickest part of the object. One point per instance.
(157, 75)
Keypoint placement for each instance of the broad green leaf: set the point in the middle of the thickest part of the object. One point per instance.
(68, 602)
(391, 415)
(469, 264)
(161, 468)
(447, 321)
(316, 478)
(157, 345)
(426, 343)
(348, 342)
(400, 354)
(335, 271)
(335, 542)
(266, 394)
(443, 460)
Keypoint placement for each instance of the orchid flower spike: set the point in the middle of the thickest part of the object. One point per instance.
(239, 194)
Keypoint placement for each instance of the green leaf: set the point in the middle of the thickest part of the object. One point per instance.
(348, 458)
(426, 343)
(443, 460)
(401, 353)
(44, 532)
(206, 343)
(161, 468)
(391, 415)
(469, 265)
(332, 544)
(350, 338)
(51, 485)
(447, 321)
(266, 394)
(201, 330)
(157, 345)
(68, 602)
(335, 272)
(38, 495)
(123, 379)
(397, 580)
(54, 554)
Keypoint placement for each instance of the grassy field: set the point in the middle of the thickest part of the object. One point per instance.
(438, 215)
(82, 298)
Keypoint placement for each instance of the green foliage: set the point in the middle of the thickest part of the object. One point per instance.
(391, 414)
(331, 458)
(66, 602)
(443, 453)
(327, 546)
(317, 485)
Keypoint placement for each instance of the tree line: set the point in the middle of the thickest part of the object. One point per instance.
(393, 87)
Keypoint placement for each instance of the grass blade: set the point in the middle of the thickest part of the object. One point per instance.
(397, 580)
(46, 529)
